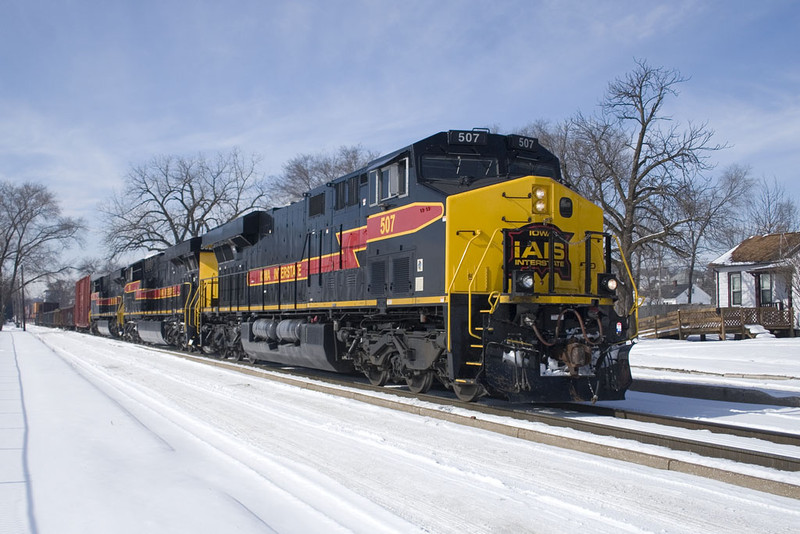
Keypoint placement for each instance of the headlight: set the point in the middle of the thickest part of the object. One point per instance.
(607, 284)
(539, 200)
(523, 282)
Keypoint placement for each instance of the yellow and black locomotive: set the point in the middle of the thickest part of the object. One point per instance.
(462, 258)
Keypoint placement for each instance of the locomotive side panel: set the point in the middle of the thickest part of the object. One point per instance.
(106, 304)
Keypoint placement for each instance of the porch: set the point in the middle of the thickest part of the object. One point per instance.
(680, 324)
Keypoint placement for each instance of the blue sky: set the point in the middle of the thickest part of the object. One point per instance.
(88, 88)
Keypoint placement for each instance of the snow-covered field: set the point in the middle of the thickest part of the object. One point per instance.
(98, 436)
(769, 364)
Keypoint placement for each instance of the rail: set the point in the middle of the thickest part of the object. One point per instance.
(721, 321)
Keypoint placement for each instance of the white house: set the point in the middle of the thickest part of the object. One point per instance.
(679, 294)
(761, 271)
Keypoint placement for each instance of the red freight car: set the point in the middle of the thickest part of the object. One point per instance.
(82, 302)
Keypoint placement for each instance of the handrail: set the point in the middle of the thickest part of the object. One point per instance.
(455, 274)
(188, 305)
(471, 282)
(461, 261)
(494, 300)
(635, 308)
(120, 313)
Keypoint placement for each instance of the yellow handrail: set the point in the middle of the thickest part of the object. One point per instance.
(186, 315)
(635, 307)
(461, 261)
(197, 304)
(471, 282)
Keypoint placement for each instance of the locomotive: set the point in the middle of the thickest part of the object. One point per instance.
(462, 259)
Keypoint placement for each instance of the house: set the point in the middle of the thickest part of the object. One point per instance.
(679, 294)
(762, 271)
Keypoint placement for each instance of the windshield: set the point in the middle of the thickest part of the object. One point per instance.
(459, 170)
(526, 167)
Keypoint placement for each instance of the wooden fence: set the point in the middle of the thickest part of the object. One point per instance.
(721, 321)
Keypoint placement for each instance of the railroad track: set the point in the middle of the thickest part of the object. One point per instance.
(696, 446)
(782, 438)
(441, 404)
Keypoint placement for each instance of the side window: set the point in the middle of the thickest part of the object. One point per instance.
(735, 285)
(346, 192)
(390, 181)
(340, 190)
(316, 205)
(352, 191)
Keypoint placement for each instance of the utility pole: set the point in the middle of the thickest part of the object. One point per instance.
(22, 291)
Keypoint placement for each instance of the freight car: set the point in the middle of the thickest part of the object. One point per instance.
(462, 258)
(62, 317)
(83, 307)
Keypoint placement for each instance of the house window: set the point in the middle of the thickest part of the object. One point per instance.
(390, 181)
(735, 285)
(766, 289)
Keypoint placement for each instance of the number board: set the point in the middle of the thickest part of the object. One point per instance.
(523, 143)
(467, 137)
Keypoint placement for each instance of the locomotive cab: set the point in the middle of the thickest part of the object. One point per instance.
(531, 287)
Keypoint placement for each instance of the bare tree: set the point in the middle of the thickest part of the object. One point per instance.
(94, 265)
(771, 211)
(557, 139)
(768, 210)
(170, 199)
(61, 290)
(708, 207)
(33, 235)
(634, 161)
(307, 171)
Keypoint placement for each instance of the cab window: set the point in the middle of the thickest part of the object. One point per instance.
(390, 181)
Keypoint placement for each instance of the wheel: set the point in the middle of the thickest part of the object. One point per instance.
(420, 383)
(376, 376)
(467, 392)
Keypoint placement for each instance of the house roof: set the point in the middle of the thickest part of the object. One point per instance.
(671, 291)
(762, 249)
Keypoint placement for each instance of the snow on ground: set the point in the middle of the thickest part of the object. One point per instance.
(761, 357)
(770, 365)
(101, 436)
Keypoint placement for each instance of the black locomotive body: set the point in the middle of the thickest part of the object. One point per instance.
(405, 271)
(461, 259)
(106, 304)
(157, 293)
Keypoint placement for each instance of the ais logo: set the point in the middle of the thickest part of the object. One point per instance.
(530, 249)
